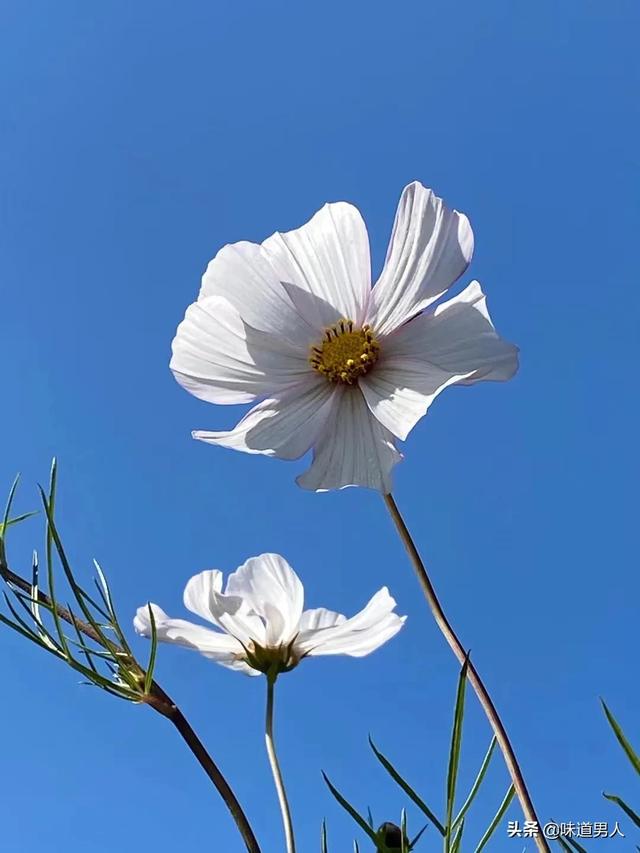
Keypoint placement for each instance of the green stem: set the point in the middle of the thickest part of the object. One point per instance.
(476, 682)
(275, 768)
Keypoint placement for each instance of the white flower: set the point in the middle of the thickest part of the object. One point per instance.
(339, 367)
(264, 625)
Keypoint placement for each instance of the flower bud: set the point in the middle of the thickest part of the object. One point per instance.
(390, 835)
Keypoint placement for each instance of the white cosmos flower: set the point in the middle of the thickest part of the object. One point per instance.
(336, 365)
(261, 623)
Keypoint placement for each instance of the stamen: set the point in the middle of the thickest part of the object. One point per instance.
(344, 354)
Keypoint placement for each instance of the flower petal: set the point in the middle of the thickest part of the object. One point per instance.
(430, 248)
(455, 344)
(320, 617)
(219, 358)
(358, 636)
(243, 274)
(400, 391)
(183, 633)
(269, 587)
(199, 592)
(354, 449)
(286, 426)
(329, 258)
(458, 337)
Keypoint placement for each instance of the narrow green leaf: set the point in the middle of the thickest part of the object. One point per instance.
(9, 503)
(370, 817)
(51, 500)
(494, 823)
(23, 631)
(417, 838)
(66, 567)
(83, 646)
(625, 808)
(113, 618)
(356, 849)
(454, 753)
(455, 847)
(403, 831)
(324, 845)
(362, 823)
(148, 678)
(15, 520)
(25, 602)
(49, 556)
(27, 629)
(388, 766)
(622, 740)
(573, 845)
(476, 785)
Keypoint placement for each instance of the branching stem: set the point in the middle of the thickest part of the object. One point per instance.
(161, 702)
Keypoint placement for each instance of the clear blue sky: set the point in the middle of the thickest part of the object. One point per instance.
(138, 138)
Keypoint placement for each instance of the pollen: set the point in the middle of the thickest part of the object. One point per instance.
(345, 353)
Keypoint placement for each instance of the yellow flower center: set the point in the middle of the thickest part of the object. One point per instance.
(345, 353)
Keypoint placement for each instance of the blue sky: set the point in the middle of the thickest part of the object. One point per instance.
(137, 139)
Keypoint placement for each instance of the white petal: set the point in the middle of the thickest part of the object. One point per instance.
(329, 259)
(235, 616)
(320, 617)
(199, 591)
(286, 426)
(242, 274)
(184, 633)
(358, 636)
(219, 358)
(458, 337)
(269, 587)
(354, 449)
(430, 248)
(400, 390)
(455, 344)
(361, 643)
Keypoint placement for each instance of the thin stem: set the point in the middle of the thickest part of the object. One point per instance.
(275, 768)
(476, 682)
(160, 702)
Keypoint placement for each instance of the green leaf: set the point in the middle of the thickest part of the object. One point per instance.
(362, 823)
(78, 593)
(494, 823)
(403, 831)
(9, 504)
(622, 740)
(416, 838)
(148, 678)
(111, 616)
(573, 845)
(324, 846)
(15, 520)
(454, 753)
(476, 785)
(27, 630)
(625, 808)
(455, 847)
(406, 787)
(49, 556)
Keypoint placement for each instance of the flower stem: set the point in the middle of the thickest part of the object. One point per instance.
(476, 682)
(275, 768)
